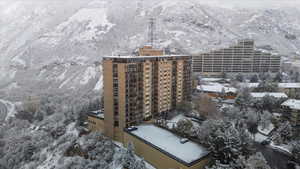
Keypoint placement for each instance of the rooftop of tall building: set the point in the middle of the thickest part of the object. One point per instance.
(132, 56)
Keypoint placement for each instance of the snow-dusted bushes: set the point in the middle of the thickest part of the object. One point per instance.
(128, 159)
(255, 161)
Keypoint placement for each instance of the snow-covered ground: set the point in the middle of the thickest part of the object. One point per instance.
(260, 137)
(284, 148)
(10, 109)
(171, 123)
(90, 73)
(267, 130)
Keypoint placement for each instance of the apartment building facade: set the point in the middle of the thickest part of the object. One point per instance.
(138, 88)
(243, 58)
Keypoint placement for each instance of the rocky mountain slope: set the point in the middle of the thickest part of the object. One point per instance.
(48, 46)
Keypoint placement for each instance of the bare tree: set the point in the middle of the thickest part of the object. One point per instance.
(206, 107)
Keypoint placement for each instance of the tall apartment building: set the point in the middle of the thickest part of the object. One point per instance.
(137, 88)
(242, 57)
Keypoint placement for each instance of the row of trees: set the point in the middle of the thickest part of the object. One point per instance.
(277, 78)
(255, 161)
(269, 103)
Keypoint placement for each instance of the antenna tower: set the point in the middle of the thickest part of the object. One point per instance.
(151, 31)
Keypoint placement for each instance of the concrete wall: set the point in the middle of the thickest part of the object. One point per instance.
(108, 99)
(149, 51)
(95, 124)
(158, 159)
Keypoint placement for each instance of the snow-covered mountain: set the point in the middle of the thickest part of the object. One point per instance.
(58, 45)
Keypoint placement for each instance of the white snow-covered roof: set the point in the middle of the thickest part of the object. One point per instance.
(289, 85)
(280, 85)
(292, 104)
(216, 88)
(249, 85)
(274, 94)
(97, 113)
(211, 79)
(170, 143)
(266, 131)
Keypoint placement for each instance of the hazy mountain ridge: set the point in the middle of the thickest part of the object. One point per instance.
(59, 45)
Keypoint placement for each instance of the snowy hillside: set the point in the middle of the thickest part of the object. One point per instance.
(59, 44)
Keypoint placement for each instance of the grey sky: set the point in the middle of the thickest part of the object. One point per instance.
(253, 3)
(221, 3)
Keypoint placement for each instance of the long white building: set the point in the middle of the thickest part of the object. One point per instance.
(243, 58)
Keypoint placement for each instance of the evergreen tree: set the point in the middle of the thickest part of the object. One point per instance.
(286, 131)
(239, 77)
(296, 150)
(225, 144)
(128, 158)
(184, 126)
(266, 86)
(257, 161)
(278, 77)
(244, 99)
(254, 79)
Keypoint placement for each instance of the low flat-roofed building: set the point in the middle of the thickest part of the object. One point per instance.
(248, 85)
(96, 120)
(165, 150)
(292, 107)
(280, 85)
(289, 88)
(217, 89)
(259, 95)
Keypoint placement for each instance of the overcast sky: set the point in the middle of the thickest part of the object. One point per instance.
(222, 3)
(253, 3)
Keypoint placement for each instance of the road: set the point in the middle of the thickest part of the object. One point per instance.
(3, 112)
(275, 159)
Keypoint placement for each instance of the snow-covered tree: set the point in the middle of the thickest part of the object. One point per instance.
(266, 86)
(254, 78)
(278, 77)
(128, 158)
(286, 131)
(138, 164)
(256, 161)
(225, 145)
(252, 122)
(218, 165)
(296, 150)
(264, 76)
(265, 119)
(244, 99)
(239, 77)
(269, 103)
(226, 142)
(206, 107)
(184, 126)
